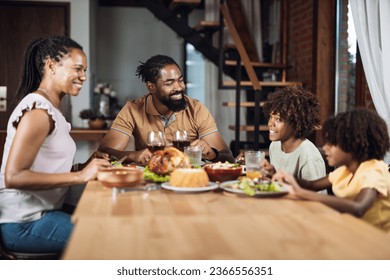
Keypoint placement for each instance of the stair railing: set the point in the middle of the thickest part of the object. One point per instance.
(243, 55)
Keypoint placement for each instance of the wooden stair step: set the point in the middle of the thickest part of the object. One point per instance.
(249, 127)
(261, 83)
(242, 104)
(246, 51)
(184, 3)
(258, 64)
(207, 26)
(230, 46)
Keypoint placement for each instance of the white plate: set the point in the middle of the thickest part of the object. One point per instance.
(226, 186)
(209, 187)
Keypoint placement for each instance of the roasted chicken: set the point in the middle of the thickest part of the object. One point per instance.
(163, 162)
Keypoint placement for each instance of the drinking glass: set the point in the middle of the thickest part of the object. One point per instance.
(194, 154)
(155, 141)
(181, 140)
(252, 163)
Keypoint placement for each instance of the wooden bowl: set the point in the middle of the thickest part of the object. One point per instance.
(218, 173)
(120, 177)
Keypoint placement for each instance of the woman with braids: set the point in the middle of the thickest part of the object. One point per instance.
(165, 108)
(356, 143)
(293, 115)
(38, 152)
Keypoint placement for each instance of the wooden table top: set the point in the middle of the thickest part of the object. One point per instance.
(99, 201)
(214, 225)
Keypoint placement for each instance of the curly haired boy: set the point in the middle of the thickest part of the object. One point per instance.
(293, 116)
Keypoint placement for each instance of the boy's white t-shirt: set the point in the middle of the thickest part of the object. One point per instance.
(305, 162)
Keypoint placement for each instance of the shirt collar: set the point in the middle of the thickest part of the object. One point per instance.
(150, 108)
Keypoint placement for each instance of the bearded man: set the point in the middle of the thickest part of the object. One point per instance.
(165, 108)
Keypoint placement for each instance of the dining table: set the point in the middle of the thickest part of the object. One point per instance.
(161, 224)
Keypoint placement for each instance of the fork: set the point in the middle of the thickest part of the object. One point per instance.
(120, 161)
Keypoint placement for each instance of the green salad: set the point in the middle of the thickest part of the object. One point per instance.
(113, 162)
(250, 187)
(149, 175)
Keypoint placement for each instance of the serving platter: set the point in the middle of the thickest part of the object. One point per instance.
(209, 187)
(227, 186)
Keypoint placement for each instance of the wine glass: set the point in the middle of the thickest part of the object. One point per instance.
(155, 141)
(181, 140)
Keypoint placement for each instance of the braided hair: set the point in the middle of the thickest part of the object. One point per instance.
(297, 107)
(361, 132)
(37, 52)
(150, 71)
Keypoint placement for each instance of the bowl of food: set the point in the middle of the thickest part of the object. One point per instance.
(221, 172)
(120, 177)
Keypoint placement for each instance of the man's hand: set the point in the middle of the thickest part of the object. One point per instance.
(240, 159)
(141, 157)
(207, 151)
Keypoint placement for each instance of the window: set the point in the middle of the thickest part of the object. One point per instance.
(346, 58)
(195, 67)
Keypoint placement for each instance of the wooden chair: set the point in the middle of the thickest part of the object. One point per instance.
(12, 255)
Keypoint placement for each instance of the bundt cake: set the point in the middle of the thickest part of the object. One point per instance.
(189, 178)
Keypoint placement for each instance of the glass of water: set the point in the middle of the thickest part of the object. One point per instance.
(194, 154)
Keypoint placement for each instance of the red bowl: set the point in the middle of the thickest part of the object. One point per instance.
(120, 177)
(222, 174)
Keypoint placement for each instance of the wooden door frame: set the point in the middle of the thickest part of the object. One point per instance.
(12, 83)
(324, 37)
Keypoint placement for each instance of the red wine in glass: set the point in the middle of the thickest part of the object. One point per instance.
(155, 141)
(180, 140)
(180, 144)
(153, 148)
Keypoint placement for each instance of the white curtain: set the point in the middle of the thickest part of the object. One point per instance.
(274, 29)
(253, 19)
(372, 23)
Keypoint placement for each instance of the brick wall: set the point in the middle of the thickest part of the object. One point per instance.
(300, 41)
(300, 49)
(344, 69)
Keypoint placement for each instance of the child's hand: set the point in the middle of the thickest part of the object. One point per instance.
(288, 181)
(267, 168)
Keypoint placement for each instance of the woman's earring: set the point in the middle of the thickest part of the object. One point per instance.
(53, 72)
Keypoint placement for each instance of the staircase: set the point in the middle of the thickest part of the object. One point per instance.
(238, 62)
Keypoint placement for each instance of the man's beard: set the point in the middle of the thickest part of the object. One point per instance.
(175, 105)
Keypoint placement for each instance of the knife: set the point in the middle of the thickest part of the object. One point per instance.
(120, 161)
